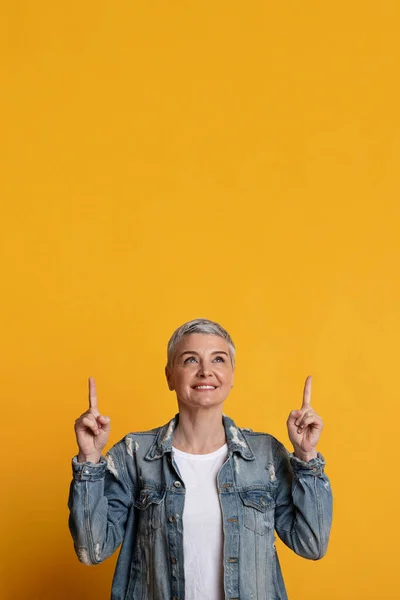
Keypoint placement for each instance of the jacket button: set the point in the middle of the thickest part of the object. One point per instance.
(171, 519)
(177, 484)
(173, 560)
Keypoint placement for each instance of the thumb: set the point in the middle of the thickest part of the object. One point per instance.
(104, 422)
(293, 415)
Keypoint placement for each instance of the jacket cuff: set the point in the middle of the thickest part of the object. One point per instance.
(88, 471)
(314, 467)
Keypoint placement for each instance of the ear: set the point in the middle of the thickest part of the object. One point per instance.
(168, 376)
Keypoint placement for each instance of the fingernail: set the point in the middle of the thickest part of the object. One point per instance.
(299, 430)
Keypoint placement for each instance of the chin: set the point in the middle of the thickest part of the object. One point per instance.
(205, 402)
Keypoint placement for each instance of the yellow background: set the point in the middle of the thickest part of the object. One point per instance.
(163, 161)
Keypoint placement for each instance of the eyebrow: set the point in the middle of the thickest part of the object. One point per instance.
(197, 354)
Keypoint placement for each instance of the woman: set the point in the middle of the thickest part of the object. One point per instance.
(195, 503)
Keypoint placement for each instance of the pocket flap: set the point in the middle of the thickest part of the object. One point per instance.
(148, 497)
(258, 499)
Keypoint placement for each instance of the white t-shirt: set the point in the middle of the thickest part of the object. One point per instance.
(202, 524)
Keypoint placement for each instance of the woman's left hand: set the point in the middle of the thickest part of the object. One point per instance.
(304, 427)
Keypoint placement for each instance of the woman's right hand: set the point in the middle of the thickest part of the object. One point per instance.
(91, 429)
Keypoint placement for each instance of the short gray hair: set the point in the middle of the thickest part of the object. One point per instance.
(204, 326)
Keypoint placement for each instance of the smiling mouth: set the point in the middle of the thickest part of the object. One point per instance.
(205, 387)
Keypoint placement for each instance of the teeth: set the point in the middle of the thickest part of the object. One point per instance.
(205, 387)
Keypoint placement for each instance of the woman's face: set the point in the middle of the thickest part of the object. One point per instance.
(202, 372)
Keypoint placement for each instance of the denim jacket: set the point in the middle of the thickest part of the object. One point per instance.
(136, 496)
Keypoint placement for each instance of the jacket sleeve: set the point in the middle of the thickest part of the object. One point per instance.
(99, 502)
(303, 512)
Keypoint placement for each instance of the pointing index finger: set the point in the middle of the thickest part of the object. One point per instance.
(92, 394)
(307, 393)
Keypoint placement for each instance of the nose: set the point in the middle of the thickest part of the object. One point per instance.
(204, 370)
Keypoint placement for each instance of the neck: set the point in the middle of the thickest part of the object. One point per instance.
(199, 431)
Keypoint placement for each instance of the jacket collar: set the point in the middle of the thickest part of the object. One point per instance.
(235, 439)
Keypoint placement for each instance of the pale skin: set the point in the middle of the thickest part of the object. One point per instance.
(201, 376)
(91, 429)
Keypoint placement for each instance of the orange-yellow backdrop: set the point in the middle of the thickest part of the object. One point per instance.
(168, 160)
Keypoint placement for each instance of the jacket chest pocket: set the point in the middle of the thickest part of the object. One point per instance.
(258, 511)
(150, 507)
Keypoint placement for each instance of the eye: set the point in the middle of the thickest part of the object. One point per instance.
(189, 359)
(219, 359)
